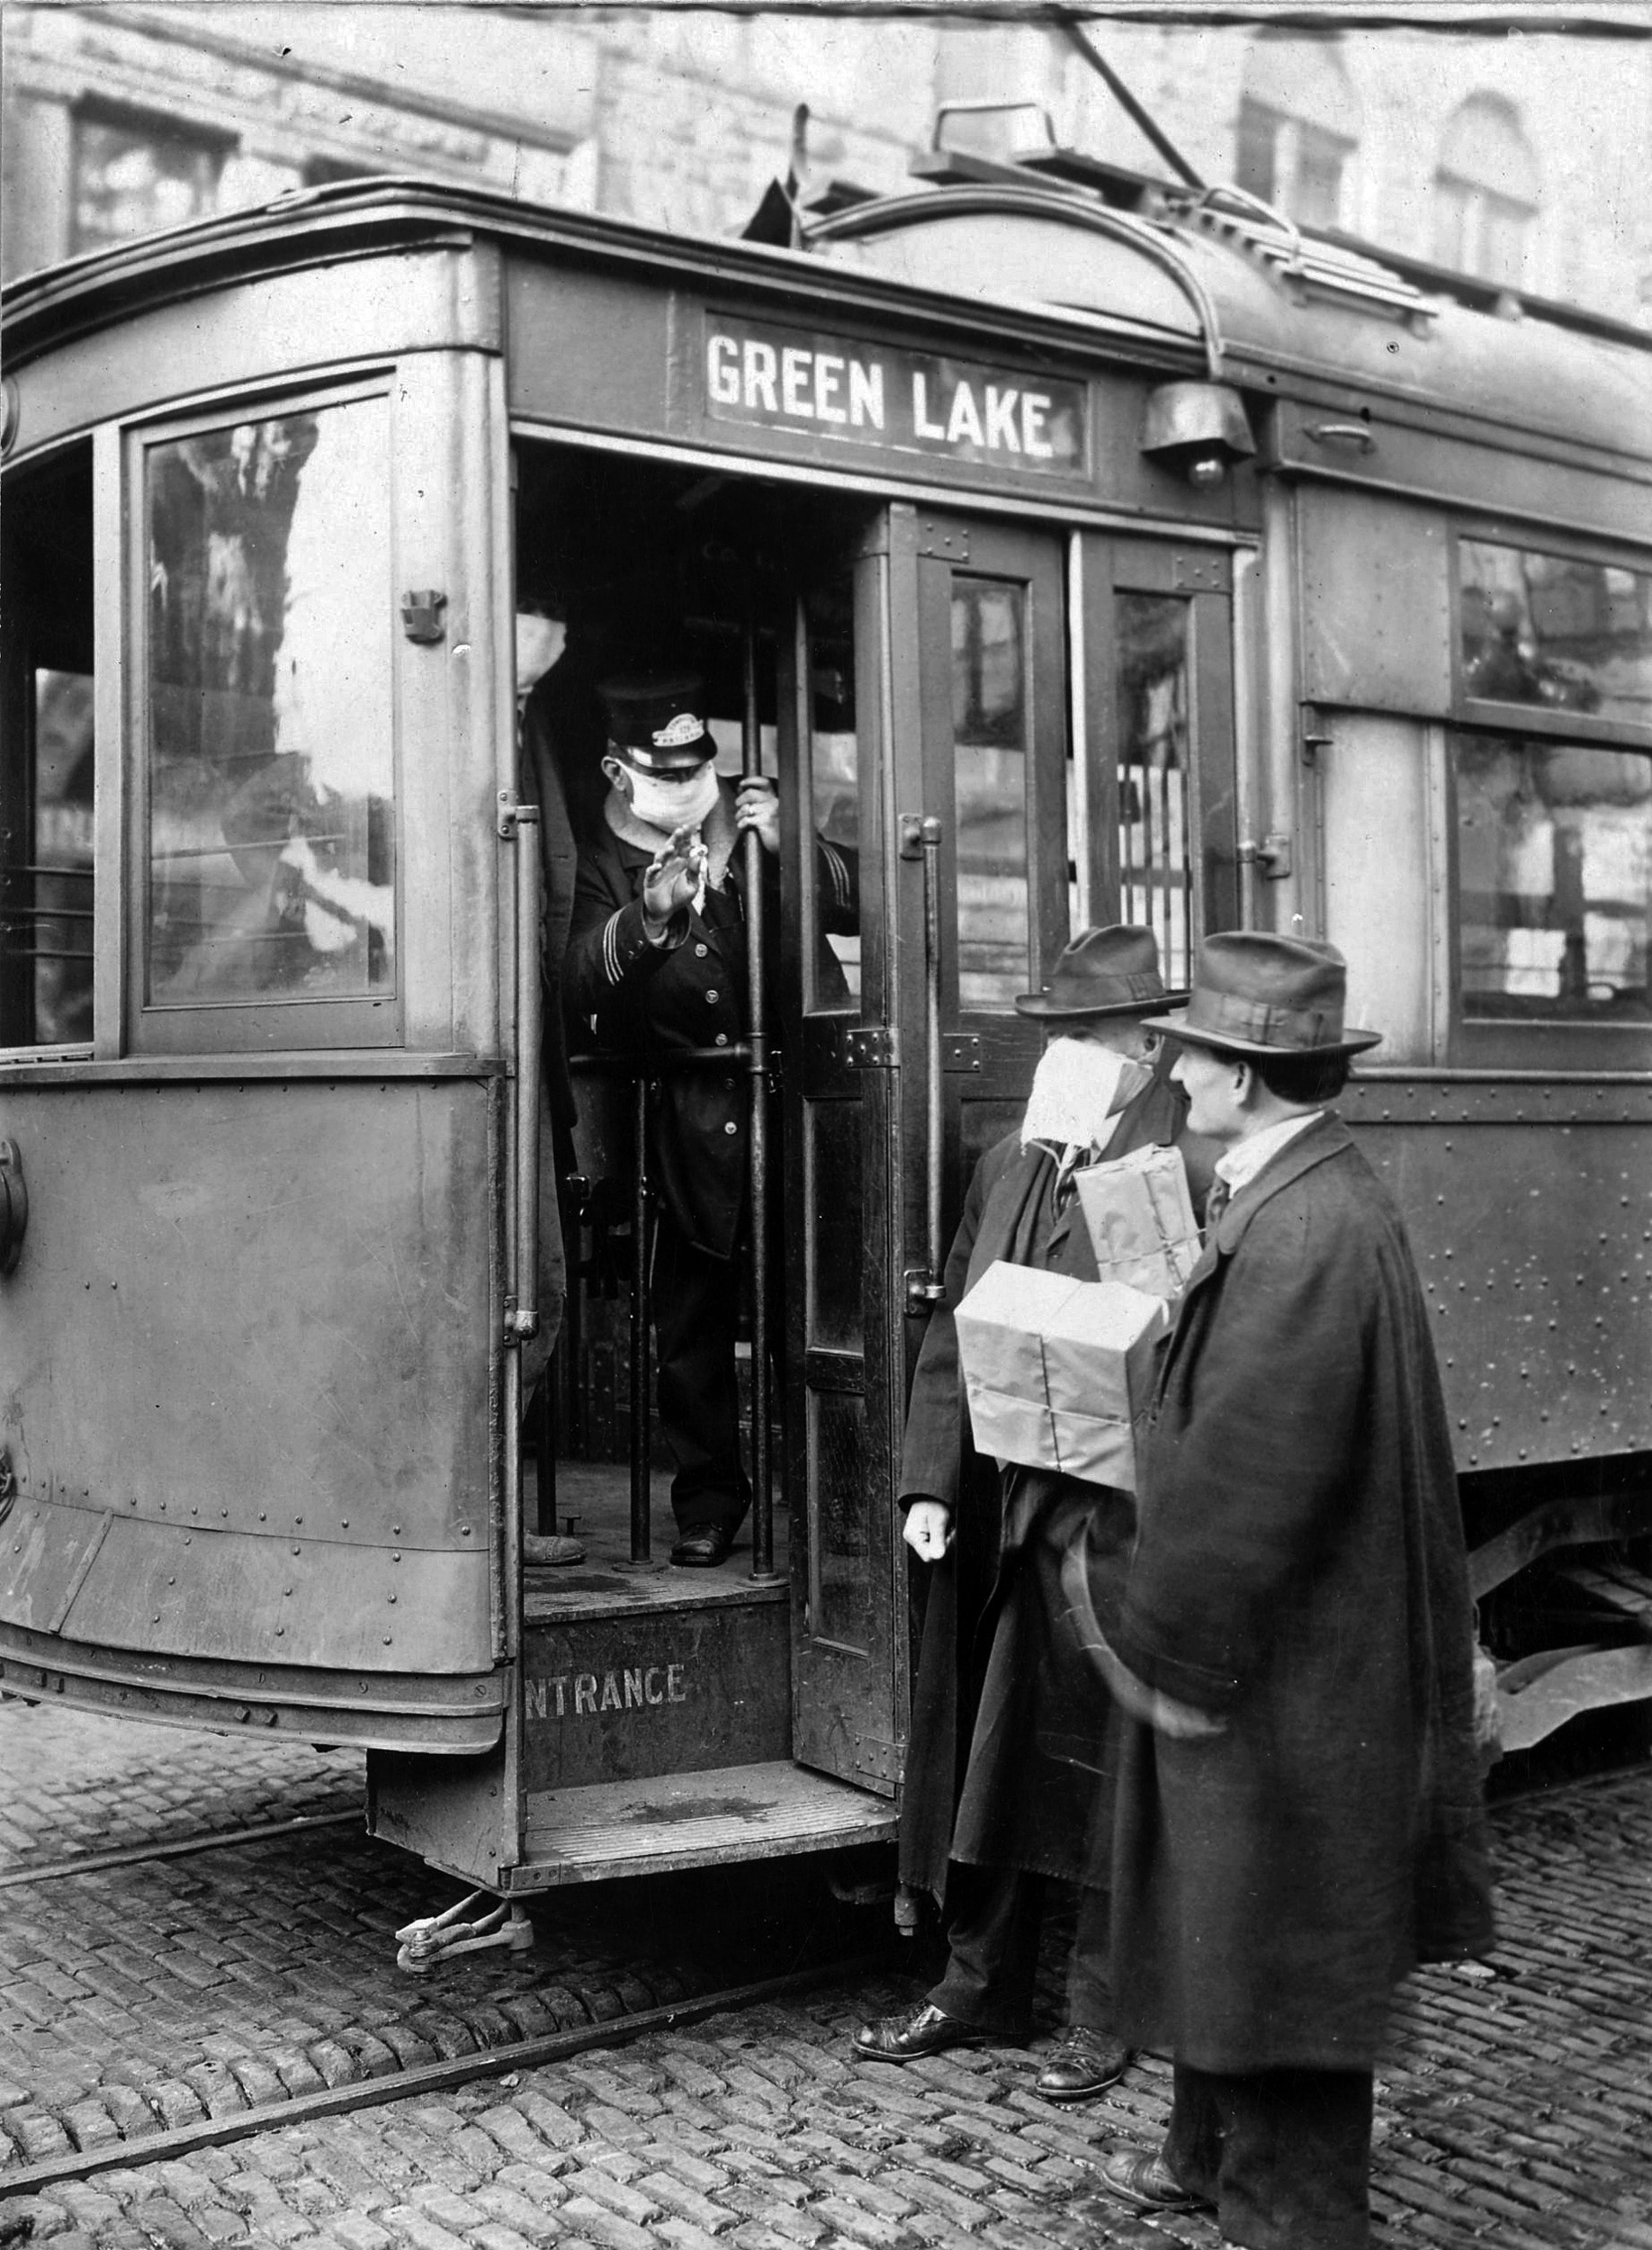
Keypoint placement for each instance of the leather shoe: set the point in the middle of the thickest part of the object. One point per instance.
(1147, 2182)
(1083, 2061)
(702, 1548)
(925, 2030)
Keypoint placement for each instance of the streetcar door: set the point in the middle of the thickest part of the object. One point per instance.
(1154, 679)
(982, 781)
(842, 1403)
(925, 680)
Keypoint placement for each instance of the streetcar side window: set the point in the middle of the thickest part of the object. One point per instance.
(1554, 845)
(46, 880)
(268, 798)
(1564, 633)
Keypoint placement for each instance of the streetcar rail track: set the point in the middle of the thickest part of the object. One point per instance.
(175, 1847)
(216, 2132)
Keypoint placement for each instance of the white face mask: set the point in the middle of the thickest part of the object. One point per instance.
(1077, 1089)
(667, 805)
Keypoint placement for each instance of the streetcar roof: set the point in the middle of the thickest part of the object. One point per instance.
(1199, 287)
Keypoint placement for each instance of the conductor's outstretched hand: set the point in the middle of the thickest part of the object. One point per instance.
(675, 873)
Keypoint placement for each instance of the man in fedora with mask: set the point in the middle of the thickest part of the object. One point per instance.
(1298, 1811)
(655, 960)
(1008, 1724)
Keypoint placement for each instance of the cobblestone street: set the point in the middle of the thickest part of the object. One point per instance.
(1516, 2108)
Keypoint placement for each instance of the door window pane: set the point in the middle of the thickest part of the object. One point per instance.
(1554, 847)
(1555, 630)
(270, 837)
(834, 765)
(1155, 884)
(842, 1598)
(833, 1215)
(990, 732)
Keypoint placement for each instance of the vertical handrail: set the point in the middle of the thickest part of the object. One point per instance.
(530, 1040)
(757, 1066)
(930, 836)
(640, 1369)
(920, 839)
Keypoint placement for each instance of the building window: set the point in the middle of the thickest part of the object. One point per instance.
(1486, 194)
(1298, 129)
(1298, 168)
(133, 173)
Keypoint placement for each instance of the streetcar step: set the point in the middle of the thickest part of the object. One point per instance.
(686, 1820)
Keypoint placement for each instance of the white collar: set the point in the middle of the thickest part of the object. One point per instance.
(1246, 1159)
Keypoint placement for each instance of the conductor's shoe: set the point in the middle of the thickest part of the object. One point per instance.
(540, 1548)
(1083, 2061)
(925, 2030)
(704, 1547)
(1147, 2184)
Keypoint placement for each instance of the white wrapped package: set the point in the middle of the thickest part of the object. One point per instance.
(1140, 1217)
(1057, 1372)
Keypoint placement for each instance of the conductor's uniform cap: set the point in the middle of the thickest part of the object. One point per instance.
(655, 722)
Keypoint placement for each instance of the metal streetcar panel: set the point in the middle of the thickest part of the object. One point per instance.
(1055, 566)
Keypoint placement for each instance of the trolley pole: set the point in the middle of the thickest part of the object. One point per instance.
(750, 764)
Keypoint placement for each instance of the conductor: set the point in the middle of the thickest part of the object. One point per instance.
(656, 964)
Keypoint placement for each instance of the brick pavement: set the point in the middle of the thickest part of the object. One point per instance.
(1516, 2111)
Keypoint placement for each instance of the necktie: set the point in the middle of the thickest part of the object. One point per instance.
(1220, 1196)
(1075, 1153)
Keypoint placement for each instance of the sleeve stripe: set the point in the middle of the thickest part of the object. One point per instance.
(610, 948)
(839, 873)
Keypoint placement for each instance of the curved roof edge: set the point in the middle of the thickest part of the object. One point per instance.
(359, 218)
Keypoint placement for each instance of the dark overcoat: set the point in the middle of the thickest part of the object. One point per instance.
(1299, 1571)
(691, 992)
(1019, 1811)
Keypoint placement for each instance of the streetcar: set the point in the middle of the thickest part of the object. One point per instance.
(1066, 552)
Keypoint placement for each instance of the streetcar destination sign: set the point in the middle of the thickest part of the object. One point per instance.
(876, 394)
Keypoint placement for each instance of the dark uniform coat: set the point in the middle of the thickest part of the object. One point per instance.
(990, 1673)
(642, 999)
(1300, 1570)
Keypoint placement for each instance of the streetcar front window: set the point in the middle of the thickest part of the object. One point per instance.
(1554, 844)
(46, 775)
(1555, 630)
(270, 778)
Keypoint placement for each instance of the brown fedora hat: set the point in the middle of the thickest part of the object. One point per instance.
(1255, 994)
(1113, 971)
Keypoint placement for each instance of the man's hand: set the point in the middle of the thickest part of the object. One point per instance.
(928, 1529)
(674, 875)
(756, 806)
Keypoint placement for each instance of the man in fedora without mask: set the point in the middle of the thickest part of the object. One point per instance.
(1022, 1735)
(656, 961)
(1297, 1815)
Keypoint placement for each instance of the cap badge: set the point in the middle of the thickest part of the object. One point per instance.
(684, 728)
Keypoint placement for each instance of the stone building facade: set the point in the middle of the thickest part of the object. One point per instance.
(1519, 159)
